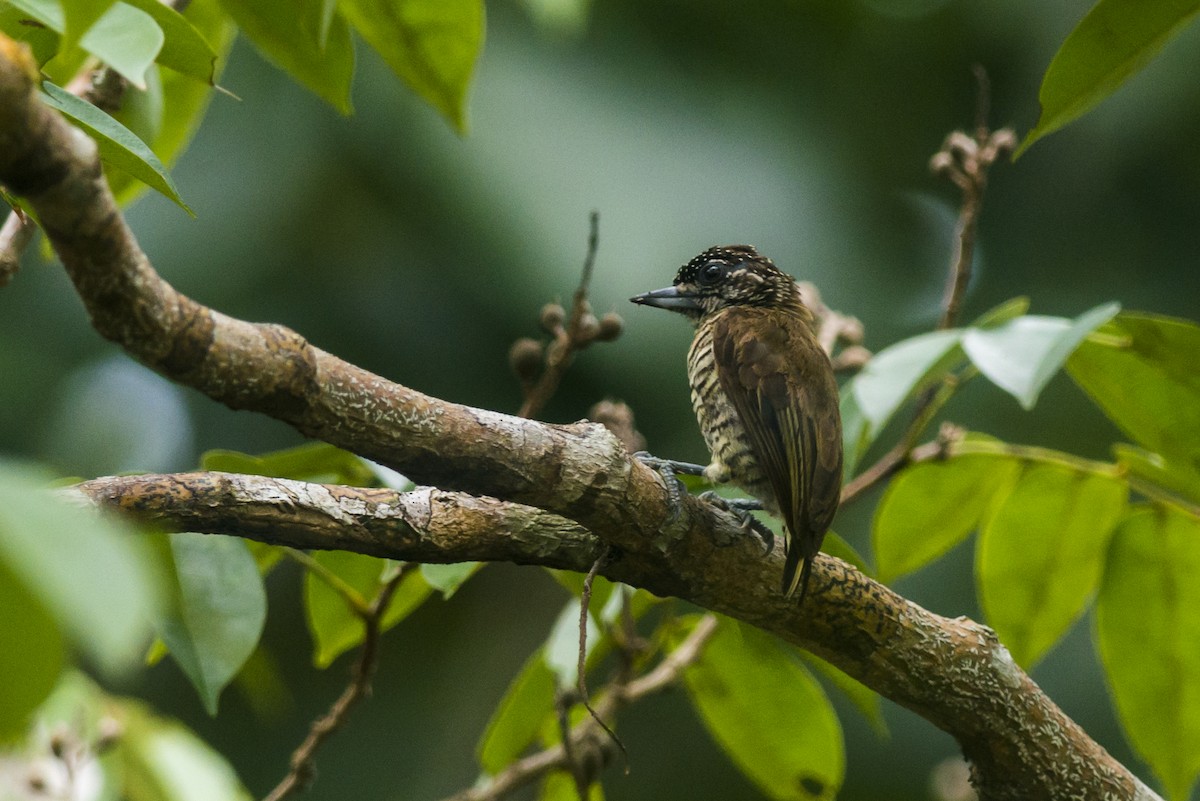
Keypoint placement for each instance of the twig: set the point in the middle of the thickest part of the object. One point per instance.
(585, 598)
(300, 774)
(902, 452)
(534, 766)
(965, 160)
(834, 328)
(542, 369)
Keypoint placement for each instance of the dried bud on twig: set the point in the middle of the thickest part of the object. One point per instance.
(551, 318)
(525, 358)
(611, 326)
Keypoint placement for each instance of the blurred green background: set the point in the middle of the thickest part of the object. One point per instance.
(804, 128)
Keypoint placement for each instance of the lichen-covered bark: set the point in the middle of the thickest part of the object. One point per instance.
(556, 492)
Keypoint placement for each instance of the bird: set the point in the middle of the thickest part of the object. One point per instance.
(764, 394)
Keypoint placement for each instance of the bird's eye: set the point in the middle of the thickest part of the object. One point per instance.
(712, 272)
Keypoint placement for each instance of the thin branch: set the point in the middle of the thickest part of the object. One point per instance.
(965, 160)
(535, 766)
(953, 672)
(540, 381)
(300, 773)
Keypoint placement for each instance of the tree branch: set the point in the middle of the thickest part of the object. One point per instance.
(952, 672)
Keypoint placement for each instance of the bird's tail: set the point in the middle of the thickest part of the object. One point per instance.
(796, 570)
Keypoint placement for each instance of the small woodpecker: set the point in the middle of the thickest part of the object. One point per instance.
(764, 393)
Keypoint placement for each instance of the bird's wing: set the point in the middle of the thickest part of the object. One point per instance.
(780, 383)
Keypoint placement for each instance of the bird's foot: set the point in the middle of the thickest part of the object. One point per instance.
(741, 509)
(670, 471)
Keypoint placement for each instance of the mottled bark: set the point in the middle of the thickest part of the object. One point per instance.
(556, 492)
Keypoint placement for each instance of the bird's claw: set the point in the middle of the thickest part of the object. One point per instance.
(741, 508)
(670, 471)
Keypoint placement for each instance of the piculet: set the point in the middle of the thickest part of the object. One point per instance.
(764, 393)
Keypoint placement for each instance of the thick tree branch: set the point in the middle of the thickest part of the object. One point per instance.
(953, 672)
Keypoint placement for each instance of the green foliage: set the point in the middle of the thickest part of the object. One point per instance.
(318, 462)
(1019, 353)
(446, 579)
(335, 595)
(1113, 42)
(431, 45)
(1148, 627)
(1041, 552)
(768, 713)
(218, 610)
(1047, 523)
(61, 558)
(1142, 374)
(32, 653)
(126, 39)
(118, 145)
(139, 755)
(933, 506)
(289, 34)
(519, 716)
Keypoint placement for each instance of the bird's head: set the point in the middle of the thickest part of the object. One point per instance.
(721, 277)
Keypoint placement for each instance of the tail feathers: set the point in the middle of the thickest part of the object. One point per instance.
(796, 571)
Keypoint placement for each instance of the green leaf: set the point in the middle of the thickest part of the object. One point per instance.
(856, 436)
(42, 40)
(118, 146)
(317, 461)
(446, 579)
(560, 786)
(32, 654)
(932, 506)
(161, 760)
(184, 100)
(527, 703)
(1142, 374)
(126, 39)
(1041, 554)
(219, 611)
(432, 45)
(79, 16)
(1023, 354)
(1172, 476)
(289, 35)
(893, 374)
(1147, 628)
(334, 624)
(834, 545)
(864, 699)
(768, 713)
(1116, 39)
(184, 48)
(1008, 310)
(94, 576)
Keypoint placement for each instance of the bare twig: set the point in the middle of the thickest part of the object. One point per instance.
(300, 773)
(578, 331)
(834, 328)
(583, 734)
(584, 600)
(965, 160)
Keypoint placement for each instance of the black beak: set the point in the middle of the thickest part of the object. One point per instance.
(669, 298)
